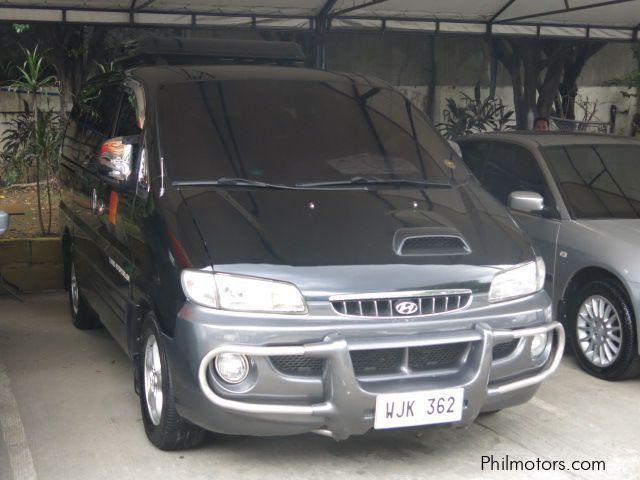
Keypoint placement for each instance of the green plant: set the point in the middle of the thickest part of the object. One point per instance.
(632, 83)
(38, 132)
(631, 80)
(86, 99)
(474, 115)
(16, 160)
(20, 27)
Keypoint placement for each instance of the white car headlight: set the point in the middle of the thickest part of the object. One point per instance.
(242, 294)
(517, 282)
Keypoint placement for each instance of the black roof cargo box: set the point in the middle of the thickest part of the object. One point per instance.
(193, 51)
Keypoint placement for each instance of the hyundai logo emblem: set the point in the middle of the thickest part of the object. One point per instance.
(406, 308)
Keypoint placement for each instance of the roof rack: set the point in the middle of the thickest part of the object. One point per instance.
(193, 51)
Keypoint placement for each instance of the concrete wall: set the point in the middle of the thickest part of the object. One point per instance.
(32, 264)
(12, 103)
(461, 62)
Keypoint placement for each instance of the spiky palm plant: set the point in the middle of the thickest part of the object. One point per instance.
(34, 78)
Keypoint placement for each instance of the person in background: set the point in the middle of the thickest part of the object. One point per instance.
(541, 124)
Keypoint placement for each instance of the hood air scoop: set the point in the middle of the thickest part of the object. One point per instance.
(429, 241)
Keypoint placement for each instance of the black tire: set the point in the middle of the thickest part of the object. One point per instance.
(82, 317)
(164, 427)
(627, 362)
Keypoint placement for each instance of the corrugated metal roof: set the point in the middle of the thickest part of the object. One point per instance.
(604, 19)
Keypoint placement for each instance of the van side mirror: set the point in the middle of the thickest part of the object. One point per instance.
(4, 222)
(527, 202)
(116, 159)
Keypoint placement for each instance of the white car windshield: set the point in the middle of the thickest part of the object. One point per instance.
(598, 181)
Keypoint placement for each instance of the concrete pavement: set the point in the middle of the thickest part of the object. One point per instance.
(73, 398)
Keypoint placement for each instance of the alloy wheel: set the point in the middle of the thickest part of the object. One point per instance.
(75, 294)
(599, 332)
(153, 380)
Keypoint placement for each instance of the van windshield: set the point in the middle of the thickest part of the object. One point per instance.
(295, 131)
(597, 181)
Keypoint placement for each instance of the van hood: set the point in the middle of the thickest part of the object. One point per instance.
(279, 233)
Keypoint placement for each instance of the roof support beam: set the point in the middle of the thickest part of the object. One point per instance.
(132, 10)
(321, 29)
(564, 10)
(143, 5)
(501, 11)
(356, 7)
(326, 8)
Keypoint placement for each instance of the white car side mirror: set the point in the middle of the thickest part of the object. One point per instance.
(527, 202)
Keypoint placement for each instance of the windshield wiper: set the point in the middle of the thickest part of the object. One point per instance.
(229, 182)
(366, 181)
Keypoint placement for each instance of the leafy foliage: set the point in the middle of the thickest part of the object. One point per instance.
(86, 98)
(16, 160)
(33, 75)
(33, 138)
(474, 115)
(631, 80)
(19, 150)
(20, 27)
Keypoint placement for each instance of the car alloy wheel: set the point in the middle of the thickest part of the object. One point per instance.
(598, 331)
(73, 288)
(164, 426)
(153, 380)
(82, 316)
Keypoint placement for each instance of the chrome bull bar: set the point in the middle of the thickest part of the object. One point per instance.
(342, 386)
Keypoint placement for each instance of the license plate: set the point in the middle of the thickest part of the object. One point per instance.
(418, 408)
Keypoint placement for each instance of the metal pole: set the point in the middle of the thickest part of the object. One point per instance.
(322, 21)
(493, 71)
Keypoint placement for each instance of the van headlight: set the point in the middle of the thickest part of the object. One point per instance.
(242, 294)
(516, 282)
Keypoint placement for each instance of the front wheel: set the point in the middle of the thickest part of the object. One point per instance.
(603, 331)
(165, 428)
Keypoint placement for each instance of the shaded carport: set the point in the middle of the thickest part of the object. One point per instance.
(338, 16)
(611, 20)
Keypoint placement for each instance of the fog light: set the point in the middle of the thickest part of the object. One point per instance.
(232, 367)
(538, 344)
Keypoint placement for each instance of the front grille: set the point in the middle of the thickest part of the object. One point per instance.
(382, 361)
(436, 356)
(434, 245)
(298, 365)
(415, 359)
(503, 350)
(377, 362)
(402, 307)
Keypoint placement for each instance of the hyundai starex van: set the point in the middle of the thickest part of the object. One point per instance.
(283, 250)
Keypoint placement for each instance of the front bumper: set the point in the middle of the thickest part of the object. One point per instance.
(344, 403)
(346, 399)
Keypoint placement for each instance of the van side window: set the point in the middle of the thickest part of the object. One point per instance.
(475, 155)
(127, 123)
(510, 168)
(91, 121)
